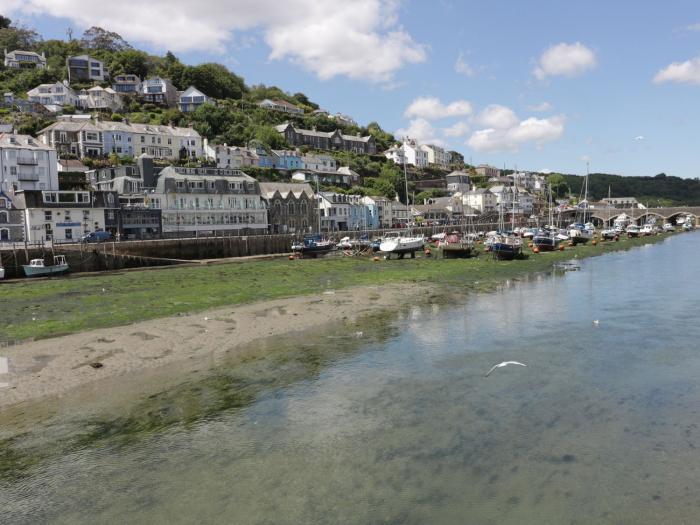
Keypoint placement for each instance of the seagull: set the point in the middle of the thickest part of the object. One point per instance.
(595, 321)
(504, 363)
(640, 137)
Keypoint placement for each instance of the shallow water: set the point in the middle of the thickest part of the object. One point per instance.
(399, 425)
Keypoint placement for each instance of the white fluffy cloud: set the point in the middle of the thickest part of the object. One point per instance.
(421, 130)
(506, 132)
(360, 39)
(459, 129)
(431, 108)
(687, 72)
(567, 60)
(498, 117)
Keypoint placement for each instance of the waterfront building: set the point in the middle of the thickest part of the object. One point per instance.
(26, 164)
(11, 220)
(291, 207)
(65, 216)
(335, 211)
(205, 201)
(481, 200)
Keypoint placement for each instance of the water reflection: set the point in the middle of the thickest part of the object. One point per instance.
(401, 426)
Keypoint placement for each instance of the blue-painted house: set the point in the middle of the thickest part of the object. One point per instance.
(289, 160)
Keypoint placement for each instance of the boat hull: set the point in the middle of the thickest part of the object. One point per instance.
(2, 272)
(456, 251)
(35, 271)
(401, 247)
(505, 252)
(544, 244)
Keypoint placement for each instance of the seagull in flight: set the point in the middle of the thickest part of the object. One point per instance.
(501, 365)
(640, 137)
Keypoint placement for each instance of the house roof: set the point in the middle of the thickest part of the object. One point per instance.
(269, 189)
(281, 128)
(11, 54)
(192, 91)
(72, 164)
(12, 140)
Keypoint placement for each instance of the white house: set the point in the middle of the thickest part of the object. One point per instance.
(58, 94)
(191, 99)
(98, 97)
(233, 157)
(24, 59)
(409, 152)
(480, 200)
(319, 162)
(437, 155)
(457, 182)
(26, 164)
(335, 211)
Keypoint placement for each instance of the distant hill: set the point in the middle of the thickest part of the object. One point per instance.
(661, 189)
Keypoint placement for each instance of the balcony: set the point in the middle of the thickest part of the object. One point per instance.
(27, 160)
(28, 175)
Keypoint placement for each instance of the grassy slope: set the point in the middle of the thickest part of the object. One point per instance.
(63, 306)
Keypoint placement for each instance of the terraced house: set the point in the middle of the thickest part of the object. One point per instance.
(26, 164)
(328, 140)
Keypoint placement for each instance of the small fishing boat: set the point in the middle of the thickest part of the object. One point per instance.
(313, 245)
(454, 246)
(545, 241)
(687, 226)
(632, 230)
(647, 229)
(345, 244)
(580, 234)
(506, 246)
(37, 268)
(680, 221)
(668, 227)
(395, 243)
(609, 234)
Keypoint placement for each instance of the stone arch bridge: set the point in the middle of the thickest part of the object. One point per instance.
(640, 216)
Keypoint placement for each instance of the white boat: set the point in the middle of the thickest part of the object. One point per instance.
(680, 221)
(345, 244)
(647, 229)
(668, 227)
(401, 244)
(2, 271)
(687, 226)
(37, 268)
(632, 230)
(610, 233)
(579, 234)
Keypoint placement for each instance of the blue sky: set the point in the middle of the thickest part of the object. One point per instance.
(592, 96)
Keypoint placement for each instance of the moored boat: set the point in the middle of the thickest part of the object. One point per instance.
(395, 243)
(632, 230)
(506, 246)
(545, 241)
(314, 245)
(2, 271)
(454, 246)
(580, 234)
(37, 267)
(668, 227)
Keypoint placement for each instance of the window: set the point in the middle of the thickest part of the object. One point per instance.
(86, 215)
(4, 217)
(4, 234)
(67, 216)
(69, 234)
(143, 139)
(50, 196)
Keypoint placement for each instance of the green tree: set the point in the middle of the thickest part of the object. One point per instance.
(98, 38)
(132, 61)
(14, 37)
(560, 188)
(215, 80)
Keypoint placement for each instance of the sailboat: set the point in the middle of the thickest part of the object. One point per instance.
(580, 232)
(545, 240)
(504, 245)
(609, 232)
(400, 243)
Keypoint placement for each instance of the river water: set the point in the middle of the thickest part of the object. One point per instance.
(397, 424)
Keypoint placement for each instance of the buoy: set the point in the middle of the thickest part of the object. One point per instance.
(291, 257)
(571, 243)
(529, 245)
(427, 252)
(536, 249)
(561, 247)
(376, 259)
(594, 242)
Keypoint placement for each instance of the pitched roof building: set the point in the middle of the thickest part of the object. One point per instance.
(328, 140)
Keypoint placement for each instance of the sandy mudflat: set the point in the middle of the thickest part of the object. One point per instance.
(53, 367)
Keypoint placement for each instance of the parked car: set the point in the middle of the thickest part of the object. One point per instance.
(99, 236)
